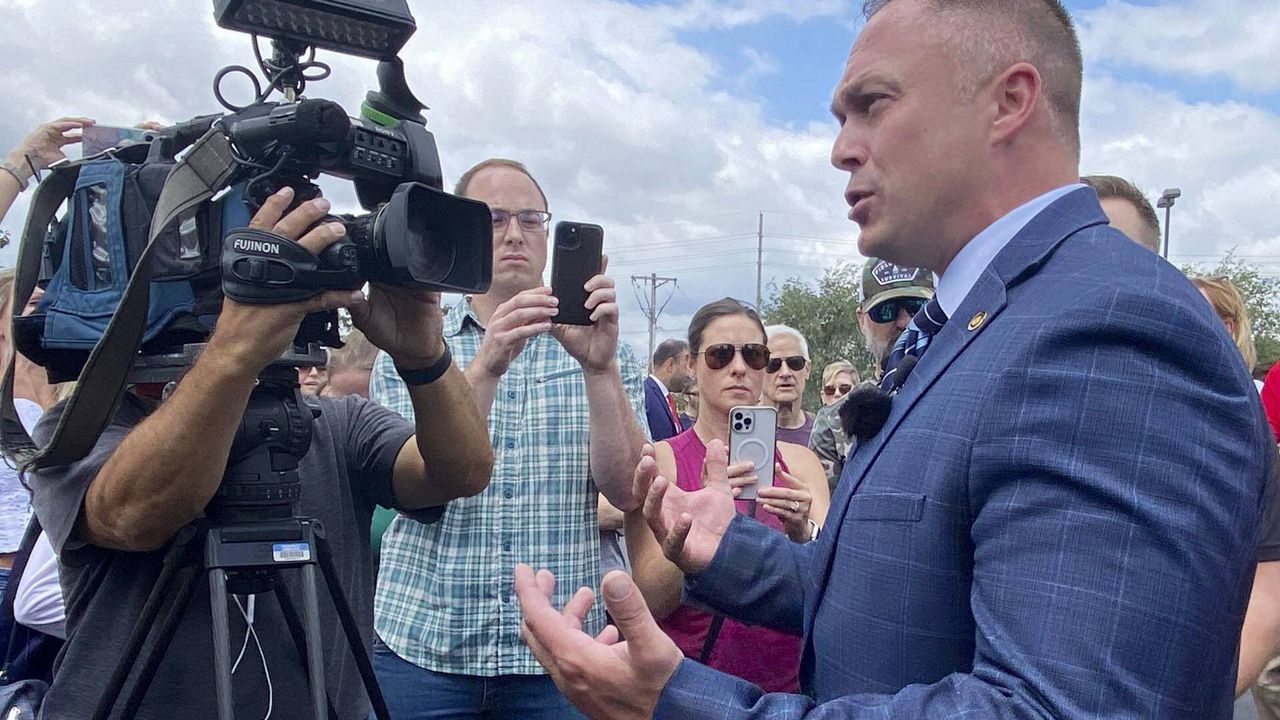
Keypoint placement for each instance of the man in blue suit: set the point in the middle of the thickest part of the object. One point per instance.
(670, 375)
(1059, 517)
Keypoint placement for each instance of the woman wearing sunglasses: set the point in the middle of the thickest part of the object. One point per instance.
(838, 379)
(729, 355)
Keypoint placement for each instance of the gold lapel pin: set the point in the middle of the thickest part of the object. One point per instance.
(978, 318)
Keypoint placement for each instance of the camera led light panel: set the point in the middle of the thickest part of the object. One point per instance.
(365, 28)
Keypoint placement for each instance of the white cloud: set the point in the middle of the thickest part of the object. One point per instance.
(614, 112)
(628, 124)
(1238, 40)
(1224, 157)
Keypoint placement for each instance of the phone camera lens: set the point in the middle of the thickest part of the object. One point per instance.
(737, 426)
(737, 416)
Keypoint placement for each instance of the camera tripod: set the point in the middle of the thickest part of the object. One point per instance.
(248, 538)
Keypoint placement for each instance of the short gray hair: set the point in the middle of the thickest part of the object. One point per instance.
(772, 331)
(1036, 31)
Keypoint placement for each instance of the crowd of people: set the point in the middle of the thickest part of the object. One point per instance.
(1064, 508)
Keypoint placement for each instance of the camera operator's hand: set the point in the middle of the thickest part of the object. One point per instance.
(510, 327)
(254, 335)
(44, 144)
(407, 323)
(594, 346)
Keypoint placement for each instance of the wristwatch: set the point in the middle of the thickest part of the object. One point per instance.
(15, 172)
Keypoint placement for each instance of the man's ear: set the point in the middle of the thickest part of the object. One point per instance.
(1016, 98)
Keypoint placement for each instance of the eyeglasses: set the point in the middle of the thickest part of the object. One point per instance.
(528, 220)
(795, 362)
(837, 390)
(887, 311)
(755, 355)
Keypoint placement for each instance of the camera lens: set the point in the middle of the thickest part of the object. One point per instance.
(737, 426)
(737, 416)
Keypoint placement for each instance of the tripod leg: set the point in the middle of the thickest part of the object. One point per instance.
(221, 642)
(348, 621)
(290, 613)
(164, 634)
(315, 657)
(150, 610)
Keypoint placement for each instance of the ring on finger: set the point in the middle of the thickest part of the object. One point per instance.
(795, 506)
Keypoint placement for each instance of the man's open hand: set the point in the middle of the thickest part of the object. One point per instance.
(602, 677)
(690, 525)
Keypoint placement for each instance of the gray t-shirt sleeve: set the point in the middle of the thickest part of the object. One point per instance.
(58, 493)
(374, 438)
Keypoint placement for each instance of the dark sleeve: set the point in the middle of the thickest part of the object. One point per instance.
(374, 437)
(58, 493)
(757, 575)
(822, 441)
(1269, 546)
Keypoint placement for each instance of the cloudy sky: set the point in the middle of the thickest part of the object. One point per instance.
(675, 124)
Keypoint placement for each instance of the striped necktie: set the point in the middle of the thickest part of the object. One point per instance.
(912, 343)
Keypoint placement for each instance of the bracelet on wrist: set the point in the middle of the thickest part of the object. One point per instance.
(428, 374)
(16, 172)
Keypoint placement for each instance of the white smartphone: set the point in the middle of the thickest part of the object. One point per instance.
(752, 436)
(96, 138)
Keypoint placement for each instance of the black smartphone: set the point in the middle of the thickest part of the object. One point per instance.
(576, 260)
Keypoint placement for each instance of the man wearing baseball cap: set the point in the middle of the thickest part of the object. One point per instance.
(890, 296)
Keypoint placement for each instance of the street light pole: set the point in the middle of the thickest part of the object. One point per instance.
(1166, 201)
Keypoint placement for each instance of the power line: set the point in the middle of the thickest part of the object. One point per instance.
(679, 220)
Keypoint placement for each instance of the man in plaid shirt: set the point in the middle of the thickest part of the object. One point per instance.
(565, 406)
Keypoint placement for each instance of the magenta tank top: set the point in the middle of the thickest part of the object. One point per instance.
(766, 657)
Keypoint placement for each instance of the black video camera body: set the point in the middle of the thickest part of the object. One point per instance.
(415, 233)
(410, 238)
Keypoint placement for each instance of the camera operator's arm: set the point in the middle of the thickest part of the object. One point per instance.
(37, 151)
(616, 436)
(449, 455)
(167, 468)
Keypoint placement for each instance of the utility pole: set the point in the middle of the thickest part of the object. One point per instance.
(652, 311)
(1166, 201)
(759, 258)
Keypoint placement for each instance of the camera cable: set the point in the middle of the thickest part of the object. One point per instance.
(252, 633)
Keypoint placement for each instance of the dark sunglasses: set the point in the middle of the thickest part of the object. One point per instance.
(755, 355)
(887, 311)
(831, 389)
(795, 362)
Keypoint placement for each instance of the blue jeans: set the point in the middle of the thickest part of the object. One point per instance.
(415, 693)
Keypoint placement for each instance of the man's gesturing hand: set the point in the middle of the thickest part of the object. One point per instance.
(689, 525)
(510, 327)
(604, 678)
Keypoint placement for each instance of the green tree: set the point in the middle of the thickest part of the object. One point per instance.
(826, 315)
(1261, 297)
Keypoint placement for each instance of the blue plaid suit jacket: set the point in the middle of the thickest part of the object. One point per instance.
(1058, 520)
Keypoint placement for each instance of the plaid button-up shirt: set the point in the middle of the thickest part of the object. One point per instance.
(445, 599)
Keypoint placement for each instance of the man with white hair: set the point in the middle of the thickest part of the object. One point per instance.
(784, 380)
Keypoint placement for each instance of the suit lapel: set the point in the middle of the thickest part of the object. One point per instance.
(1028, 249)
